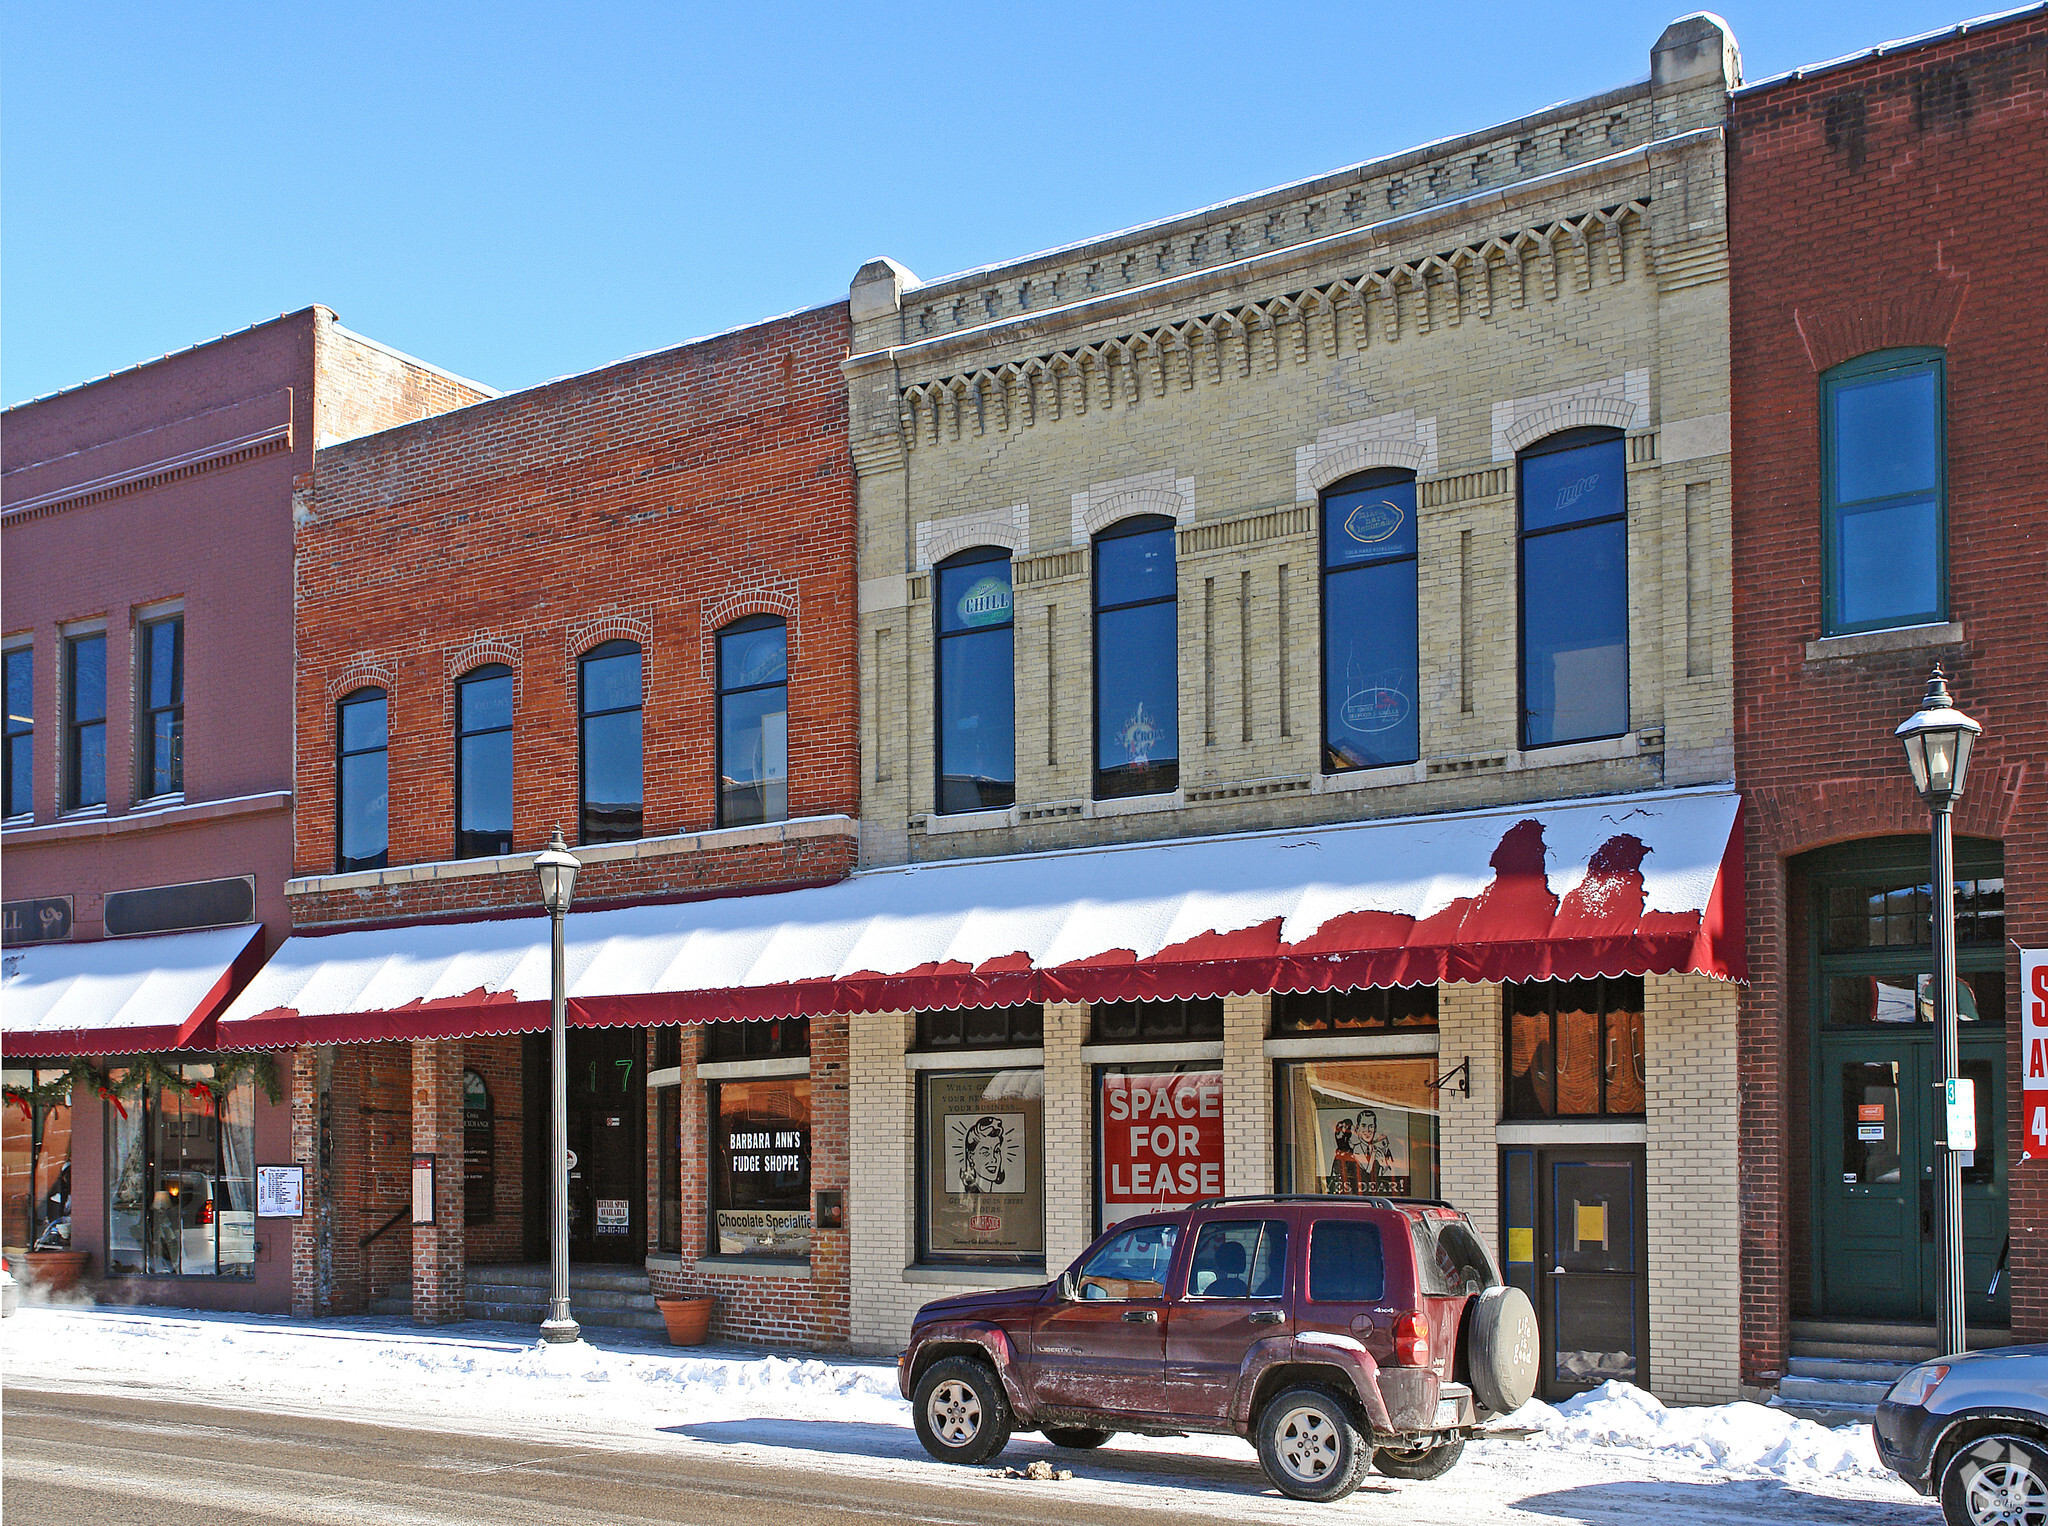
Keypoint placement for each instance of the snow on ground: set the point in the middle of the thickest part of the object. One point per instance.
(1615, 1454)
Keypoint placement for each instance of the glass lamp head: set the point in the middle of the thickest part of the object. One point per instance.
(557, 867)
(1938, 738)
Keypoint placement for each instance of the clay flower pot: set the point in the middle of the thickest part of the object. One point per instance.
(689, 1319)
(56, 1271)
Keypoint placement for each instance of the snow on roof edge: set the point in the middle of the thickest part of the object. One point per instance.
(1885, 49)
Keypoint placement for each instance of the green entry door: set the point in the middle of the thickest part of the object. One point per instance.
(1875, 1122)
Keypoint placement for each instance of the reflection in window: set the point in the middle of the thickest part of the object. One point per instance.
(753, 722)
(1137, 659)
(668, 1153)
(982, 1194)
(977, 717)
(362, 786)
(483, 767)
(1244, 1258)
(1123, 1022)
(21, 732)
(1897, 911)
(1369, 623)
(1574, 588)
(181, 1179)
(1575, 1047)
(1359, 1127)
(35, 1196)
(1021, 1026)
(1354, 1011)
(608, 699)
(1883, 485)
(1347, 1263)
(1131, 1266)
(162, 753)
(1905, 999)
(775, 1038)
(85, 717)
(761, 1167)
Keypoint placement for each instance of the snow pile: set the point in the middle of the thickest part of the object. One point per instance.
(1746, 1440)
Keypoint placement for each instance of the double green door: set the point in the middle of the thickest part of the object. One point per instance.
(1877, 1191)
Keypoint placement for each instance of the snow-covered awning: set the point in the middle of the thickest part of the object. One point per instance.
(121, 995)
(1632, 885)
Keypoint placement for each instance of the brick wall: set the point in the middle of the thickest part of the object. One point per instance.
(1871, 206)
(437, 1249)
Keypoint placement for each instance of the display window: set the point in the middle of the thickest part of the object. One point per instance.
(1159, 1138)
(1575, 1048)
(36, 1145)
(181, 1177)
(982, 1174)
(1358, 1127)
(1361, 1011)
(761, 1168)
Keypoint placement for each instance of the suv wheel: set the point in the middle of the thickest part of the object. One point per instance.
(1997, 1481)
(1309, 1445)
(1082, 1438)
(959, 1411)
(1418, 1462)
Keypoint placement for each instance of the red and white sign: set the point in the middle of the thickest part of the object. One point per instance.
(2034, 1053)
(1162, 1142)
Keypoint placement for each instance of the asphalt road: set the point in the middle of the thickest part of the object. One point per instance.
(108, 1460)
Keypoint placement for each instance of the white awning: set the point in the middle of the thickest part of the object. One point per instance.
(1628, 885)
(120, 995)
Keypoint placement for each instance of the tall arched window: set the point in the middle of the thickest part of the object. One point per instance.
(608, 705)
(1369, 613)
(753, 722)
(483, 762)
(362, 814)
(1574, 588)
(1884, 473)
(1137, 659)
(977, 704)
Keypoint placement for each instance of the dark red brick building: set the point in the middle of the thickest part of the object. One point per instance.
(1890, 378)
(621, 605)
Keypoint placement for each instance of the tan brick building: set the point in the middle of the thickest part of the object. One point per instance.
(1142, 521)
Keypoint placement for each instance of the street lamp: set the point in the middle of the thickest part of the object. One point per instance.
(557, 867)
(1938, 738)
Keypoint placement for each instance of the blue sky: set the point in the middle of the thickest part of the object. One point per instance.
(517, 192)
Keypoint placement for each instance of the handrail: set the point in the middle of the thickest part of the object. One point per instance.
(386, 1225)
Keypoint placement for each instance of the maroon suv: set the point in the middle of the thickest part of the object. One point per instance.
(1332, 1332)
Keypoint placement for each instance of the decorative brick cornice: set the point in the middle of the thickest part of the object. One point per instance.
(1791, 819)
(361, 672)
(156, 474)
(759, 592)
(481, 650)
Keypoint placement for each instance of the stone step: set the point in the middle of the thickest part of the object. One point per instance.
(1900, 1357)
(1835, 1393)
(1852, 1371)
(1873, 1332)
(613, 1279)
(532, 1314)
(1828, 1414)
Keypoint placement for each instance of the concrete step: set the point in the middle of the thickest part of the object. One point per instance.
(392, 1303)
(618, 1279)
(1901, 1357)
(1828, 1414)
(1839, 1393)
(532, 1314)
(1870, 1331)
(1847, 1371)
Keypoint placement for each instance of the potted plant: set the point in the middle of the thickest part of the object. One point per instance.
(55, 1271)
(688, 1319)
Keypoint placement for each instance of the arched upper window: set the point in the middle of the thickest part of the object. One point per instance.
(977, 705)
(753, 722)
(362, 815)
(1884, 479)
(608, 693)
(1574, 581)
(1369, 630)
(1137, 659)
(483, 762)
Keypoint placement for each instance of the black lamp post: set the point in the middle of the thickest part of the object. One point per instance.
(1938, 739)
(557, 867)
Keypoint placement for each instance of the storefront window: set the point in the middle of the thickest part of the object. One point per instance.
(1354, 1011)
(1575, 1048)
(761, 1166)
(1124, 1022)
(982, 1146)
(668, 1176)
(1364, 1127)
(181, 1177)
(37, 1152)
(1019, 1027)
(779, 1038)
(1159, 1129)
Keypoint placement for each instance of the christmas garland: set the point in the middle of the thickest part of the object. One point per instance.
(158, 1072)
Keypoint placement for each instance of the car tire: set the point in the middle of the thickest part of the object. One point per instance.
(1081, 1438)
(1418, 1462)
(1996, 1479)
(1502, 1351)
(959, 1411)
(1309, 1445)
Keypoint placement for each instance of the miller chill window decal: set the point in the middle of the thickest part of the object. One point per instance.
(1162, 1141)
(2034, 1054)
(986, 602)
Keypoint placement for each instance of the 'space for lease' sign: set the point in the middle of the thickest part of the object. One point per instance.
(2034, 1053)
(1162, 1141)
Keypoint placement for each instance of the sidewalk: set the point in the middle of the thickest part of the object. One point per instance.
(626, 1389)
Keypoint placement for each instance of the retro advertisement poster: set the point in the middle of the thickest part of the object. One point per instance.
(1162, 1141)
(2034, 1053)
(984, 1162)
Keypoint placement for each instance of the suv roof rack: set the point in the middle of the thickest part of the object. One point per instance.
(1323, 1197)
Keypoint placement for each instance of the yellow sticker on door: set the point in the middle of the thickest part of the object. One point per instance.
(1521, 1245)
(1592, 1224)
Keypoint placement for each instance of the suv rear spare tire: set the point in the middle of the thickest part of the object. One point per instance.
(1501, 1349)
(960, 1411)
(1309, 1445)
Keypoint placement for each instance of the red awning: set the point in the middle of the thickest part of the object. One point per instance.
(1646, 884)
(122, 995)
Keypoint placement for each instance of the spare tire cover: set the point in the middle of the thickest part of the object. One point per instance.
(1503, 1353)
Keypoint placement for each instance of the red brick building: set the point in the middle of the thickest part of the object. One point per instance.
(621, 605)
(1891, 512)
(147, 535)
